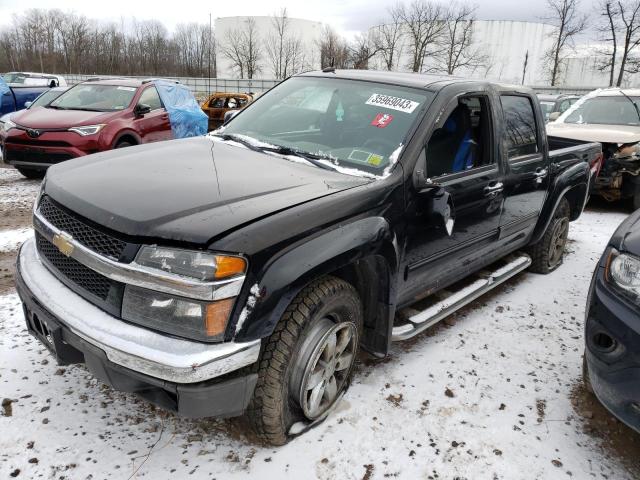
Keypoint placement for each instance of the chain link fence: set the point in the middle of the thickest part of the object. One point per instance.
(202, 86)
(198, 85)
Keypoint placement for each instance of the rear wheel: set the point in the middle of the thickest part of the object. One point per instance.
(307, 362)
(31, 172)
(547, 254)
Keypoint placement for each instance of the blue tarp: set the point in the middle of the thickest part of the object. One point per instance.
(5, 90)
(186, 117)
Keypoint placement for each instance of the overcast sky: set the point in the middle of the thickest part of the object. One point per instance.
(347, 16)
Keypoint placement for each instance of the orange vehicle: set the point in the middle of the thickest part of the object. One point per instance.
(220, 103)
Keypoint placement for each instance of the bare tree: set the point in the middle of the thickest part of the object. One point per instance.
(361, 50)
(283, 48)
(334, 51)
(629, 15)
(388, 39)
(425, 24)
(569, 22)
(608, 33)
(458, 50)
(242, 48)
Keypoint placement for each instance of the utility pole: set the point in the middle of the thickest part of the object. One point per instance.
(524, 67)
(209, 62)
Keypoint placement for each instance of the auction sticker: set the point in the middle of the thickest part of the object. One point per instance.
(395, 103)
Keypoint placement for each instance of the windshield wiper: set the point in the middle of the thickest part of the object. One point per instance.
(309, 157)
(237, 139)
(279, 149)
(633, 103)
(55, 107)
(86, 109)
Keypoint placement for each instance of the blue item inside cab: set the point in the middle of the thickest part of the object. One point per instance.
(185, 115)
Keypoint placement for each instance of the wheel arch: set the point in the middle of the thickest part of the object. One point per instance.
(363, 253)
(127, 136)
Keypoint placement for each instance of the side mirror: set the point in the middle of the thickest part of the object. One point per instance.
(554, 116)
(229, 115)
(141, 109)
(27, 104)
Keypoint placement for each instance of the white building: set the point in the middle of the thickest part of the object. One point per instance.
(308, 31)
(504, 44)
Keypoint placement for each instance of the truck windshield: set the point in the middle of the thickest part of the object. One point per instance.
(355, 126)
(606, 110)
(99, 98)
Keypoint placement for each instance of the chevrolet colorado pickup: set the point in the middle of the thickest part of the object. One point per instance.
(240, 272)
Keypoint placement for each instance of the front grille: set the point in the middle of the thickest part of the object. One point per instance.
(40, 142)
(35, 156)
(91, 238)
(90, 281)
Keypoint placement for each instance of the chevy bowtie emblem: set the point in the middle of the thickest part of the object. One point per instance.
(63, 240)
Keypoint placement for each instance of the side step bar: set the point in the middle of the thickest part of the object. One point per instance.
(486, 281)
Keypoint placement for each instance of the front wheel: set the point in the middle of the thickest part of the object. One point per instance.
(31, 173)
(307, 361)
(548, 252)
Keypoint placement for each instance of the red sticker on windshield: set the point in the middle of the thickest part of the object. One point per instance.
(382, 120)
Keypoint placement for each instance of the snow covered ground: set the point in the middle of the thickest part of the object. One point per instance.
(490, 394)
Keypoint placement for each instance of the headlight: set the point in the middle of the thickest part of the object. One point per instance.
(8, 125)
(624, 272)
(175, 315)
(204, 266)
(87, 129)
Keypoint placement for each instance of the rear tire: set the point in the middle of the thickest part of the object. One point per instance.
(547, 254)
(31, 173)
(307, 362)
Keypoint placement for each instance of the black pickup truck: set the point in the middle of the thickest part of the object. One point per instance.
(241, 272)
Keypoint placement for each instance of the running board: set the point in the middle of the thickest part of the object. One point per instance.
(486, 281)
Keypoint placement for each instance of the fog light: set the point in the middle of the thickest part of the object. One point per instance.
(603, 342)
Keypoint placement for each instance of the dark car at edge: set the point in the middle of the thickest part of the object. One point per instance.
(241, 272)
(612, 327)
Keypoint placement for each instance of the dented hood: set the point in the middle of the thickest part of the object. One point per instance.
(595, 133)
(188, 190)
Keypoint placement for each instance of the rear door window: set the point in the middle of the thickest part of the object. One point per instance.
(520, 132)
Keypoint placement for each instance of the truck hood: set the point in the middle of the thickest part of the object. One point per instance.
(595, 133)
(190, 190)
(46, 118)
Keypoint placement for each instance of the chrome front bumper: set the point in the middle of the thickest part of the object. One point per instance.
(136, 348)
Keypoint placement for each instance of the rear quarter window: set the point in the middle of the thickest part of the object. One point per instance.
(520, 133)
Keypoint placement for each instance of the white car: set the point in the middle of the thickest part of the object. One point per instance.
(33, 79)
(610, 116)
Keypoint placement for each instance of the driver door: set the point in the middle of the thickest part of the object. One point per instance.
(462, 164)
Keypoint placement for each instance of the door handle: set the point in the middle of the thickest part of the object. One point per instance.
(493, 190)
(540, 174)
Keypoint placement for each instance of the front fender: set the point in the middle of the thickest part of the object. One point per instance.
(287, 273)
(572, 183)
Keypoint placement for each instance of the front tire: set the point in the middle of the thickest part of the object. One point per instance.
(547, 254)
(307, 362)
(31, 173)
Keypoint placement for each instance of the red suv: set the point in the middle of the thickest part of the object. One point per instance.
(90, 117)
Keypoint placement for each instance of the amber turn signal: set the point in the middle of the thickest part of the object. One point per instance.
(229, 266)
(217, 315)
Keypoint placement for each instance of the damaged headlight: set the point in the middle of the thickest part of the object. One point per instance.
(628, 151)
(204, 266)
(624, 272)
(176, 315)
